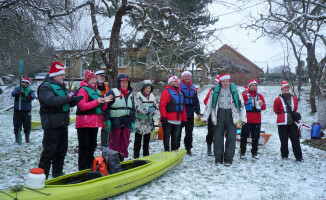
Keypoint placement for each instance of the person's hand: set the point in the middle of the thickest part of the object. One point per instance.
(72, 94)
(101, 100)
(260, 103)
(21, 94)
(164, 121)
(108, 98)
(77, 98)
(132, 130)
(107, 126)
(199, 117)
(29, 98)
(243, 123)
(151, 110)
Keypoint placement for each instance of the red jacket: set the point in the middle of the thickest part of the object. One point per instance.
(165, 99)
(254, 117)
(207, 96)
(280, 108)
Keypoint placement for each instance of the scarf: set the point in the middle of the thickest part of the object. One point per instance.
(124, 92)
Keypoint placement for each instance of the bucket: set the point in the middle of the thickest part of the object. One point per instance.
(36, 179)
(315, 130)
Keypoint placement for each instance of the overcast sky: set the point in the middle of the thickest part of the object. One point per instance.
(263, 51)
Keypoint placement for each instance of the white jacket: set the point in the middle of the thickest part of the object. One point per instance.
(236, 113)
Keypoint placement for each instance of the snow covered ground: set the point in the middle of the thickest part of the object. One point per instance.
(197, 177)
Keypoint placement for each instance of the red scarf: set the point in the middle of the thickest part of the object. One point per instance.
(124, 92)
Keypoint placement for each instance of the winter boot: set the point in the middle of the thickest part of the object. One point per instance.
(45, 164)
(189, 152)
(254, 147)
(104, 138)
(27, 137)
(121, 157)
(16, 138)
(209, 150)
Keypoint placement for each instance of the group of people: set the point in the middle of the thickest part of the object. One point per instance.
(119, 112)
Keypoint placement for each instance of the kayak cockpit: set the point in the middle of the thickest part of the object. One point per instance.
(83, 176)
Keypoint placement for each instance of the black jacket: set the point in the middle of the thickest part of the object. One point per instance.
(51, 112)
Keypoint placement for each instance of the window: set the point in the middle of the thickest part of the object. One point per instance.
(68, 61)
(122, 62)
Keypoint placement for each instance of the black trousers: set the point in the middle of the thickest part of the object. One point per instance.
(210, 131)
(22, 118)
(55, 145)
(87, 140)
(289, 131)
(137, 144)
(189, 127)
(170, 131)
(254, 129)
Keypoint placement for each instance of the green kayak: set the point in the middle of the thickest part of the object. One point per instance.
(147, 169)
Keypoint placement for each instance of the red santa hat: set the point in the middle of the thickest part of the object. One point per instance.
(27, 80)
(172, 78)
(56, 69)
(184, 73)
(89, 74)
(224, 77)
(284, 84)
(252, 81)
(217, 79)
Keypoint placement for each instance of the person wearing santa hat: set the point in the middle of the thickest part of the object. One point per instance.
(173, 111)
(189, 92)
(55, 103)
(254, 104)
(120, 116)
(104, 88)
(284, 104)
(210, 125)
(22, 108)
(225, 106)
(89, 119)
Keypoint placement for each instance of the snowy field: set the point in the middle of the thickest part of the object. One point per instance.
(197, 177)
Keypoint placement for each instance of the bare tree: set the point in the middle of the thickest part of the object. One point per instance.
(300, 22)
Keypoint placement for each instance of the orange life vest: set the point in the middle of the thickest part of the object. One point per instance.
(99, 165)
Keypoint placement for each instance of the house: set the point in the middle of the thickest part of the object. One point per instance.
(228, 60)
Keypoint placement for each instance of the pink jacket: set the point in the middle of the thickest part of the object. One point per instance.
(92, 120)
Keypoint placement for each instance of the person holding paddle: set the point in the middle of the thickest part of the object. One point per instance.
(24, 96)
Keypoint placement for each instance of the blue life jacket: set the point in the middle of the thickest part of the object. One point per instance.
(176, 102)
(249, 104)
(188, 93)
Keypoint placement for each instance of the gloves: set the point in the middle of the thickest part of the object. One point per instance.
(72, 93)
(132, 127)
(29, 98)
(107, 126)
(21, 94)
(164, 121)
(77, 98)
(151, 110)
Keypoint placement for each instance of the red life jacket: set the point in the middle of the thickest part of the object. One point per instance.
(99, 165)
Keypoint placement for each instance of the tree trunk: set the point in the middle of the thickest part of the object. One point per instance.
(311, 74)
(321, 115)
(114, 45)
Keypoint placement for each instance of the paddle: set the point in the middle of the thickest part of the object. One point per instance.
(20, 71)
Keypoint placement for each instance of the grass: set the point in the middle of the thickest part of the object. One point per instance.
(316, 143)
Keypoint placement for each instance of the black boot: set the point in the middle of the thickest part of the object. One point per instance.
(27, 137)
(189, 152)
(209, 150)
(16, 138)
(121, 157)
(57, 167)
(104, 138)
(45, 164)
